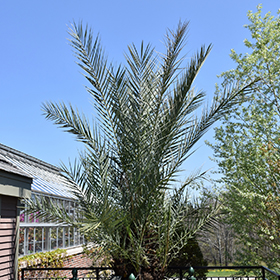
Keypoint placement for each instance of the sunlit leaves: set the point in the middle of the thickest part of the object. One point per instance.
(247, 144)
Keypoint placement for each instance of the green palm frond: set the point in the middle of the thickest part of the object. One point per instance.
(147, 125)
(70, 120)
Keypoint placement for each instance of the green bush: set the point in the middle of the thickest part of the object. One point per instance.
(50, 259)
(191, 255)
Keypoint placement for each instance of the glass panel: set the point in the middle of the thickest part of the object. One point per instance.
(33, 218)
(38, 240)
(66, 232)
(47, 232)
(22, 216)
(71, 236)
(30, 243)
(59, 203)
(60, 237)
(74, 211)
(67, 206)
(21, 241)
(77, 237)
(43, 239)
(71, 213)
(53, 238)
(81, 239)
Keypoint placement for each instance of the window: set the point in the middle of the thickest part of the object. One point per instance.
(37, 235)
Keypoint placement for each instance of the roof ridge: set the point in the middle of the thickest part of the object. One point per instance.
(25, 156)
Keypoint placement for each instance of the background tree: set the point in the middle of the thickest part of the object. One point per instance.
(248, 142)
(145, 129)
(218, 244)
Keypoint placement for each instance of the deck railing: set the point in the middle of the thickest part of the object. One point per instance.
(81, 273)
(234, 273)
(175, 272)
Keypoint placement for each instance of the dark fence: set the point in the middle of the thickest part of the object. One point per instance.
(224, 273)
(174, 272)
(81, 273)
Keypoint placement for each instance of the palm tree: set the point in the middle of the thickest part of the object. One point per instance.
(146, 128)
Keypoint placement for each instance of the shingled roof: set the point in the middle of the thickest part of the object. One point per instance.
(47, 179)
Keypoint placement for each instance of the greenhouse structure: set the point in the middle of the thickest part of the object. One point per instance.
(36, 234)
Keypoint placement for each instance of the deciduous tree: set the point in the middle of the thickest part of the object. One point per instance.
(247, 145)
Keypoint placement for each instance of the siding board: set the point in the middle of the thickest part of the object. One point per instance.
(8, 264)
(7, 239)
(11, 222)
(6, 258)
(7, 236)
(5, 274)
(5, 252)
(6, 231)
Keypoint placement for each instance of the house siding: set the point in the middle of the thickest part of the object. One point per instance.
(8, 228)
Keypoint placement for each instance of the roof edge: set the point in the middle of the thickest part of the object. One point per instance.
(26, 156)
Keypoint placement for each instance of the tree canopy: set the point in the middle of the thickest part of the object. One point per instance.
(246, 146)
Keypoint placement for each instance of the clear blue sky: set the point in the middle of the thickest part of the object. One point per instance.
(37, 63)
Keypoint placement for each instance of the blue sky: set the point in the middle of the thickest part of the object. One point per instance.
(37, 63)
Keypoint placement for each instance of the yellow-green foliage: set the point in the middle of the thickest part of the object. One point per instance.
(50, 259)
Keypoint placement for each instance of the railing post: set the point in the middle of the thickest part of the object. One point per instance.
(181, 274)
(131, 277)
(191, 274)
(263, 273)
(22, 274)
(97, 274)
(75, 274)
